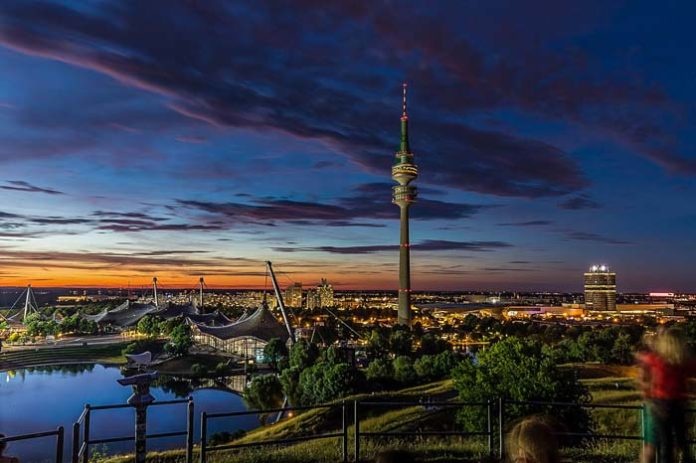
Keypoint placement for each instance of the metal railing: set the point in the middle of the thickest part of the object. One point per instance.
(432, 405)
(343, 435)
(81, 438)
(501, 419)
(60, 440)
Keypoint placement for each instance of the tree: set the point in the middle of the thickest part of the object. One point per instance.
(149, 325)
(432, 345)
(290, 380)
(622, 351)
(380, 370)
(519, 370)
(434, 367)
(323, 382)
(303, 354)
(401, 342)
(403, 370)
(180, 341)
(377, 344)
(276, 354)
(264, 392)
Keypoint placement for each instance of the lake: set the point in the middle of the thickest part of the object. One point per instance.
(41, 399)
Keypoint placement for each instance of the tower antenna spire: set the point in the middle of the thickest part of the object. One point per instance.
(404, 113)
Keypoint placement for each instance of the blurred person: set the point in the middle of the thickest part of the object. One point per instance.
(532, 441)
(3, 457)
(668, 366)
(649, 432)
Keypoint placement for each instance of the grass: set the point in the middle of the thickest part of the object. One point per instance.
(613, 388)
(110, 353)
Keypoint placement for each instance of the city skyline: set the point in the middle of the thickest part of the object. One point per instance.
(181, 139)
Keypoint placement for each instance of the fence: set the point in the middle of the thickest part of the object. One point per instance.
(59, 433)
(501, 419)
(438, 406)
(343, 435)
(81, 439)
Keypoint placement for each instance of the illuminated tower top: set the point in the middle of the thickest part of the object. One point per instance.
(404, 170)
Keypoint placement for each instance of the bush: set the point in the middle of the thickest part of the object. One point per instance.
(198, 369)
(434, 367)
(276, 354)
(519, 370)
(380, 369)
(404, 371)
(181, 340)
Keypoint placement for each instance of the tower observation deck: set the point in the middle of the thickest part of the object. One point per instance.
(404, 171)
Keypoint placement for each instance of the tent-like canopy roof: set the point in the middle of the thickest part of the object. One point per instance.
(261, 324)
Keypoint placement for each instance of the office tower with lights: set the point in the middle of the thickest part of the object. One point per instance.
(326, 294)
(313, 299)
(404, 171)
(293, 295)
(600, 289)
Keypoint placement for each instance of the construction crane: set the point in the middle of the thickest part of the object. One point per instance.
(281, 304)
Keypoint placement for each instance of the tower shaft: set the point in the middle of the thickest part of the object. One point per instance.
(404, 269)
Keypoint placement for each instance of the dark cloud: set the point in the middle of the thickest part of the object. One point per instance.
(213, 80)
(427, 245)
(528, 223)
(20, 185)
(585, 236)
(578, 203)
(369, 201)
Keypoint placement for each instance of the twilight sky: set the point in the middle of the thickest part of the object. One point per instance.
(187, 138)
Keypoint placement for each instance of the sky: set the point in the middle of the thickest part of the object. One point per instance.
(189, 138)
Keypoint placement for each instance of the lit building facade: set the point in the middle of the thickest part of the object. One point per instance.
(326, 294)
(600, 289)
(293, 295)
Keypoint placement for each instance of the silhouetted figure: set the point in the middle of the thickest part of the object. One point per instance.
(669, 366)
(532, 441)
(3, 458)
(394, 456)
(649, 432)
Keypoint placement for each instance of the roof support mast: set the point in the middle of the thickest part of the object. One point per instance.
(279, 298)
(202, 282)
(27, 303)
(154, 289)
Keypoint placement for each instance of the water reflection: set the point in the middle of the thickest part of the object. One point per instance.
(43, 398)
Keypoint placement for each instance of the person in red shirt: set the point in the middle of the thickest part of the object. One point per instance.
(3, 458)
(668, 368)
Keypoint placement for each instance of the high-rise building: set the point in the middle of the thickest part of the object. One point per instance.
(313, 300)
(404, 171)
(293, 295)
(600, 288)
(326, 294)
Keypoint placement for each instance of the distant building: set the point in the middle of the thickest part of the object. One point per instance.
(313, 299)
(600, 288)
(326, 294)
(293, 295)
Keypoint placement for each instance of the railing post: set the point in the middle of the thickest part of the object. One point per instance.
(59, 445)
(75, 442)
(344, 428)
(204, 432)
(501, 428)
(489, 419)
(189, 431)
(85, 455)
(356, 420)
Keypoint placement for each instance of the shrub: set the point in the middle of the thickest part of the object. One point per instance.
(519, 370)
